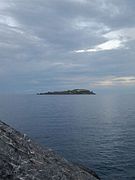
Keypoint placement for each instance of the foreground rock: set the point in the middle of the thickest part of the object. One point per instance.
(21, 159)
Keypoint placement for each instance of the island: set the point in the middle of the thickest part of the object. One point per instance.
(22, 159)
(69, 92)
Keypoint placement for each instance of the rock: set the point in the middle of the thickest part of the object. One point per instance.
(70, 92)
(22, 159)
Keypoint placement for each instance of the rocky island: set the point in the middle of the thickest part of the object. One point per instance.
(22, 159)
(69, 92)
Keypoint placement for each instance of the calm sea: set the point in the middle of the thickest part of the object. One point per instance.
(96, 131)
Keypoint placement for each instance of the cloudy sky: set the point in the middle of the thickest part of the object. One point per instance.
(65, 44)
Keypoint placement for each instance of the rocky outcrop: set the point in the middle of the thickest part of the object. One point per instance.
(22, 159)
(70, 92)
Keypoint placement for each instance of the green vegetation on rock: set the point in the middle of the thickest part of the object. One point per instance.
(69, 92)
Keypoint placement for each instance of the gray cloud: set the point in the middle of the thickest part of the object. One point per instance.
(62, 44)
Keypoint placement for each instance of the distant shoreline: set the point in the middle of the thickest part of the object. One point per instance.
(70, 92)
(41, 94)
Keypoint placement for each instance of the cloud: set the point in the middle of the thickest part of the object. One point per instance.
(125, 34)
(4, 5)
(116, 40)
(37, 46)
(108, 45)
(9, 21)
(116, 81)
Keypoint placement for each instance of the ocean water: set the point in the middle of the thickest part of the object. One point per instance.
(95, 131)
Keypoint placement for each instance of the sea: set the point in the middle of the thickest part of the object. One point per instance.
(97, 132)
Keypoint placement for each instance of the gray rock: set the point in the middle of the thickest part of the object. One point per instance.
(22, 159)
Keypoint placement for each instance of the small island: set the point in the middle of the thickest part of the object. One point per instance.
(69, 92)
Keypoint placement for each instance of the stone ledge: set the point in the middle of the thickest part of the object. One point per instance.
(22, 159)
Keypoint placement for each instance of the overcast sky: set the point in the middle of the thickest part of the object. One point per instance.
(66, 44)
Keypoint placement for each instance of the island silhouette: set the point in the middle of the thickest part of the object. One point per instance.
(69, 92)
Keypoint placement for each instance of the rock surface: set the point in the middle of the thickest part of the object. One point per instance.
(22, 159)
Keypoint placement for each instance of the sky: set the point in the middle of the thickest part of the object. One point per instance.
(48, 45)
